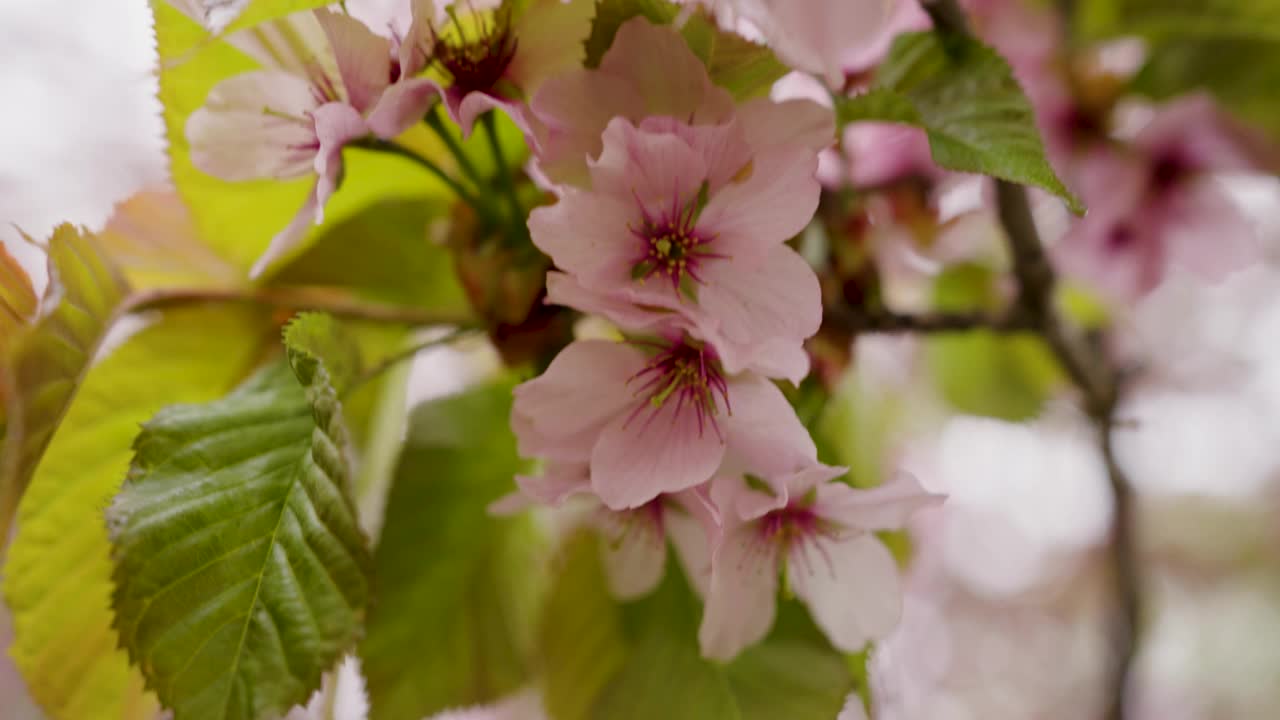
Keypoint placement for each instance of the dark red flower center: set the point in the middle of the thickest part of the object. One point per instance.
(671, 244)
(477, 59)
(688, 376)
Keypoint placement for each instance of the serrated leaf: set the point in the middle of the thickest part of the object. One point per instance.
(57, 576)
(744, 68)
(964, 95)
(239, 219)
(1240, 19)
(456, 588)
(611, 14)
(581, 645)
(18, 300)
(45, 365)
(383, 253)
(241, 572)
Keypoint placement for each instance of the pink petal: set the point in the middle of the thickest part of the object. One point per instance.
(402, 106)
(692, 525)
(885, 507)
(770, 207)
(336, 125)
(551, 34)
(364, 59)
(737, 501)
(564, 289)
(667, 76)
(657, 451)
(817, 35)
(465, 109)
(582, 390)
(558, 482)
(295, 44)
(1197, 131)
(768, 124)
(573, 110)
(255, 125)
(586, 235)
(654, 169)
(635, 558)
(763, 311)
(291, 237)
(852, 589)
(414, 48)
(742, 596)
(763, 430)
(1207, 233)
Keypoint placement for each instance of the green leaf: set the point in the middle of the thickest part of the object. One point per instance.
(46, 365)
(153, 240)
(259, 11)
(457, 590)
(240, 568)
(383, 253)
(581, 644)
(981, 372)
(664, 675)
(57, 579)
(611, 14)
(239, 219)
(736, 64)
(963, 94)
(18, 301)
(1240, 19)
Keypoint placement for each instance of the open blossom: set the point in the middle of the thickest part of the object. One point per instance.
(654, 422)
(820, 534)
(686, 225)
(481, 60)
(650, 72)
(324, 89)
(1158, 204)
(635, 540)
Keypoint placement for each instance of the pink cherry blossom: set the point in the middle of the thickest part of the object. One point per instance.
(493, 59)
(323, 86)
(635, 548)
(1157, 204)
(648, 72)
(820, 534)
(651, 418)
(685, 225)
(821, 36)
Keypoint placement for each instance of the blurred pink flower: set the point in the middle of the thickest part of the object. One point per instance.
(635, 547)
(494, 59)
(649, 71)
(820, 532)
(1157, 204)
(686, 225)
(294, 118)
(650, 423)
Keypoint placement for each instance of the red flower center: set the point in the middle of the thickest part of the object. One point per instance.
(671, 244)
(691, 377)
(477, 61)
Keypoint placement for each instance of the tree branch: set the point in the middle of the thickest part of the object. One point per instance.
(1091, 373)
(887, 321)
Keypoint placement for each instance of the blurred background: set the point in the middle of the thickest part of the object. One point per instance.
(1006, 612)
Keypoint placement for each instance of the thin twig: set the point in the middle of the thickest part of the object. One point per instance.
(887, 321)
(1096, 379)
(504, 176)
(406, 354)
(434, 121)
(291, 299)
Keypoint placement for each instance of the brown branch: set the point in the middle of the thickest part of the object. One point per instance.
(1092, 374)
(857, 322)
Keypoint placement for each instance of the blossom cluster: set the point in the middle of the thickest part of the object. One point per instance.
(675, 207)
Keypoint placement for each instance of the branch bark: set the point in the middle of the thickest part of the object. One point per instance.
(1093, 376)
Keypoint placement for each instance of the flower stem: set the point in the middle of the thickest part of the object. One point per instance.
(394, 148)
(518, 224)
(434, 121)
(406, 354)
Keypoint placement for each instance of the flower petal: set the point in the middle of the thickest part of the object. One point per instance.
(582, 390)
(667, 76)
(763, 430)
(763, 312)
(551, 34)
(885, 507)
(336, 125)
(364, 59)
(573, 110)
(771, 206)
(852, 589)
(692, 524)
(768, 124)
(586, 235)
(635, 558)
(742, 596)
(402, 106)
(465, 108)
(558, 482)
(564, 289)
(255, 125)
(658, 170)
(655, 451)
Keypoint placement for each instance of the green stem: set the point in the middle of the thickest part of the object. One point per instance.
(504, 176)
(394, 148)
(436, 123)
(406, 354)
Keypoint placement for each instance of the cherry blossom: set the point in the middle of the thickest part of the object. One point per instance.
(686, 225)
(650, 72)
(652, 417)
(820, 534)
(324, 85)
